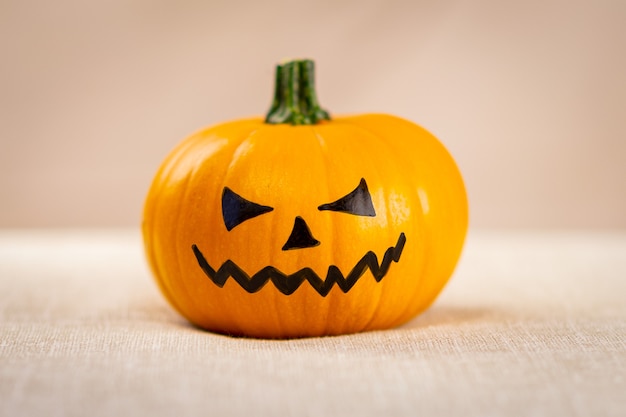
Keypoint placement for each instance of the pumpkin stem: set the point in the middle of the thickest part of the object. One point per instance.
(295, 100)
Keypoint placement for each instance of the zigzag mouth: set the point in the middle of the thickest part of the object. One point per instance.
(289, 283)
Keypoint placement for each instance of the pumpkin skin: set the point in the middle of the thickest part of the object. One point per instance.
(415, 188)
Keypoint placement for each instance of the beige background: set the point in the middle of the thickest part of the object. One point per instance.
(529, 96)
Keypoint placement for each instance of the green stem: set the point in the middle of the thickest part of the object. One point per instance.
(295, 100)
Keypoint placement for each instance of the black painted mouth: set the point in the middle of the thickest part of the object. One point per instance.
(289, 283)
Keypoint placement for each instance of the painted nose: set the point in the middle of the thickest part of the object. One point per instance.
(300, 236)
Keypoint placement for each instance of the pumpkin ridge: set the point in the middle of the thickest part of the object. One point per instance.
(234, 143)
(289, 283)
(163, 176)
(331, 245)
(421, 291)
(409, 307)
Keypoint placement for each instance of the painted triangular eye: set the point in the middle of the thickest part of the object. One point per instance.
(358, 202)
(236, 209)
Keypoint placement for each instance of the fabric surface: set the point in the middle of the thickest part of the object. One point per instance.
(530, 325)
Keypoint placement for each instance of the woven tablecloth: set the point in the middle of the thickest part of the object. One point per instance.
(531, 324)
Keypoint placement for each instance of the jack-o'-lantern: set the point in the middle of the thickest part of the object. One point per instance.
(300, 224)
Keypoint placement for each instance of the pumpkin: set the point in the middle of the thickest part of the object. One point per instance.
(299, 224)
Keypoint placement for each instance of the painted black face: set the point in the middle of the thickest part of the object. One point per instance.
(236, 210)
(358, 202)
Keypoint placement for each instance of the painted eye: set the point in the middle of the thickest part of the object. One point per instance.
(358, 202)
(236, 209)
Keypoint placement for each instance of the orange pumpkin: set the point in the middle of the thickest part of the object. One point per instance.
(302, 225)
